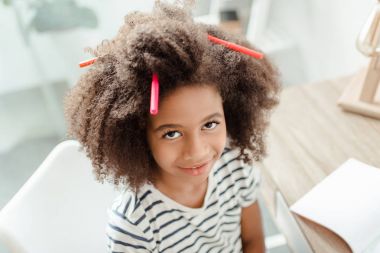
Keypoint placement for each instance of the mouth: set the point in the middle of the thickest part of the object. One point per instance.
(197, 169)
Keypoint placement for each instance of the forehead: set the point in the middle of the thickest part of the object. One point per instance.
(188, 104)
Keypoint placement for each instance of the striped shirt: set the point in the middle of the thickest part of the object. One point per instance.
(149, 221)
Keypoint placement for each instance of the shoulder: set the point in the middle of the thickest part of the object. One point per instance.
(243, 179)
(227, 161)
(230, 164)
(128, 225)
(130, 206)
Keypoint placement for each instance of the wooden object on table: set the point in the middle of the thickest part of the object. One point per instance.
(309, 137)
(363, 94)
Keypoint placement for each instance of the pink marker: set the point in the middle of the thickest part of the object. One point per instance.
(154, 95)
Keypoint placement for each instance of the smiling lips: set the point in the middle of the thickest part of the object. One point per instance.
(196, 170)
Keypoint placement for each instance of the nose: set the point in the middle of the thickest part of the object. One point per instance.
(195, 148)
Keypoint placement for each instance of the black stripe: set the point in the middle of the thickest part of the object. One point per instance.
(232, 208)
(241, 178)
(213, 191)
(249, 187)
(229, 175)
(144, 195)
(127, 219)
(175, 231)
(196, 229)
(231, 185)
(213, 247)
(140, 219)
(240, 189)
(164, 212)
(226, 150)
(138, 200)
(153, 204)
(167, 224)
(249, 200)
(127, 205)
(208, 237)
(228, 200)
(127, 244)
(237, 239)
(225, 177)
(235, 170)
(208, 218)
(238, 168)
(140, 238)
(210, 228)
(170, 222)
(185, 226)
(137, 222)
(211, 204)
(230, 222)
(224, 165)
(232, 214)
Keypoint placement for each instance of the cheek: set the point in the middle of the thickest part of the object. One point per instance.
(162, 154)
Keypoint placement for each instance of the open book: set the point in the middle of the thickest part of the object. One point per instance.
(348, 203)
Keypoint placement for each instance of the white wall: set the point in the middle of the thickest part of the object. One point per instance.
(325, 33)
(30, 76)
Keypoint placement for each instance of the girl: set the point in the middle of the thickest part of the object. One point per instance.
(185, 165)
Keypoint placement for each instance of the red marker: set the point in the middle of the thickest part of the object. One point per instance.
(236, 47)
(155, 85)
(87, 62)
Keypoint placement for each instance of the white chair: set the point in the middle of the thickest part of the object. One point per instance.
(60, 209)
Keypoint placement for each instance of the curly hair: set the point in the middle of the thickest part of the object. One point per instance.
(107, 111)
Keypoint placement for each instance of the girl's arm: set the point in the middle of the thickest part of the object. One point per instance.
(251, 229)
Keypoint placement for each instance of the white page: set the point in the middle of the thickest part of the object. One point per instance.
(348, 203)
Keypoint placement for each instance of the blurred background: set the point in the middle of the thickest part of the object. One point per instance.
(42, 41)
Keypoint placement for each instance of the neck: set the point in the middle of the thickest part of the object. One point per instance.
(176, 185)
(187, 193)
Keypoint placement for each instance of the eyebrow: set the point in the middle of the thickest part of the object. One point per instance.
(162, 127)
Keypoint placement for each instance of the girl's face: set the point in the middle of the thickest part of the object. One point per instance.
(188, 134)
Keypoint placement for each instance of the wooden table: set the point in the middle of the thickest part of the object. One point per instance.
(309, 137)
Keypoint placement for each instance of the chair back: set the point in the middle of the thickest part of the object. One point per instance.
(60, 209)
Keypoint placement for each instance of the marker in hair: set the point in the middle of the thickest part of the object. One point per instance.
(216, 40)
(236, 47)
(154, 95)
(87, 62)
(155, 85)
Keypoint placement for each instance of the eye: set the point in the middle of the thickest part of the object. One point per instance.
(171, 135)
(211, 125)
